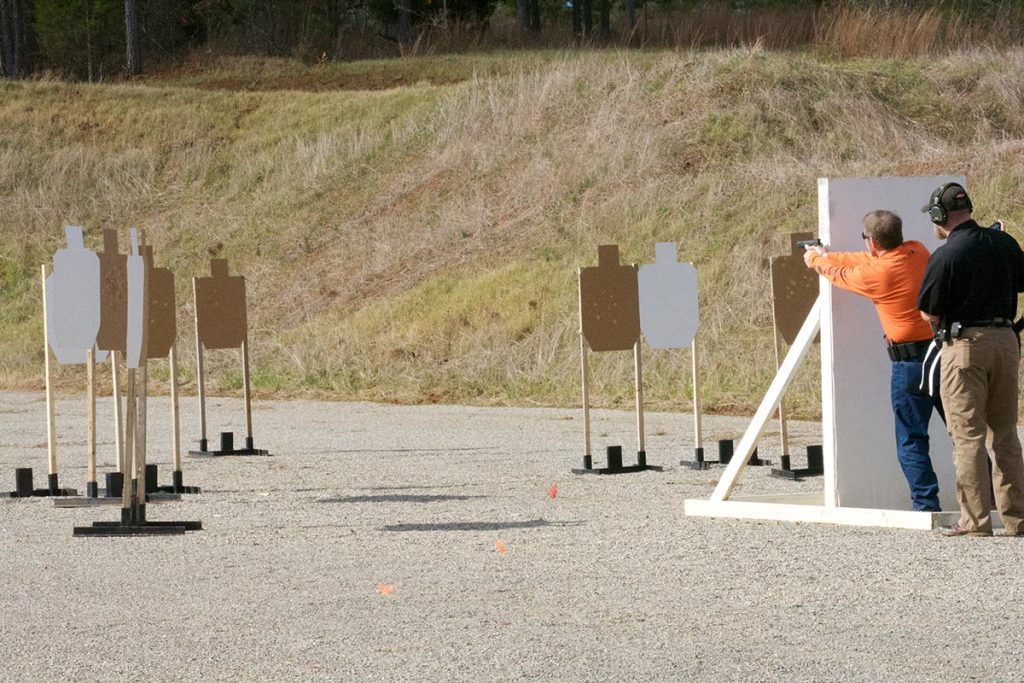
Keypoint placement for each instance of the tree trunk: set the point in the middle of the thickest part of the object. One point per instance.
(588, 18)
(132, 41)
(6, 40)
(604, 10)
(18, 45)
(630, 15)
(577, 21)
(523, 14)
(534, 15)
(405, 23)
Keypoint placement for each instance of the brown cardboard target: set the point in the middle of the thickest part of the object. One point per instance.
(163, 327)
(609, 302)
(113, 333)
(220, 308)
(794, 288)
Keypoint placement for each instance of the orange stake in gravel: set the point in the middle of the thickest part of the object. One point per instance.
(553, 491)
(500, 547)
(385, 588)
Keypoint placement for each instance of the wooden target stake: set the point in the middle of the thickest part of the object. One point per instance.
(247, 392)
(175, 417)
(51, 413)
(698, 436)
(129, 447)
(641, 453)
(200, 375)
(92, 488)
(588, 461)
(783, 429)
(115, 374)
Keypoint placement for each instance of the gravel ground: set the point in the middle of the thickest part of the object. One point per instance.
(422, 543)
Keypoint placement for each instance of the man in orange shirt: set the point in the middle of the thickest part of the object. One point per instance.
(890, 274)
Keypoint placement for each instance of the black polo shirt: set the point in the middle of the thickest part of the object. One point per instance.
(974, 276)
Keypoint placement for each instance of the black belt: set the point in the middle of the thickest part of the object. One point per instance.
(907, 350)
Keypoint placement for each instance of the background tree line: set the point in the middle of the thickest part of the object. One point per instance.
(98, 39)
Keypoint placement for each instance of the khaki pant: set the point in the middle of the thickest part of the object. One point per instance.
(979, 390)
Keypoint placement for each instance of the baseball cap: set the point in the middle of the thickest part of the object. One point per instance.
(950, 196)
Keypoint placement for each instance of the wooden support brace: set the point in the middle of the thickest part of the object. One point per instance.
(771, 400)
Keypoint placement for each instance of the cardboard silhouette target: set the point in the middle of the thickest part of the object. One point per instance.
(222, 323)
(113, 331)
(794, 291)
(163, 328)
(863, 484)
(610, 321)
(220, 308)
(610, 302)
(794, 288)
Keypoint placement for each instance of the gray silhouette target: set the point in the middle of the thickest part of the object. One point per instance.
(669, 315)
(72, 294)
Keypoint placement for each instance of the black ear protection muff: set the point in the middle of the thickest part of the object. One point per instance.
(939, 213)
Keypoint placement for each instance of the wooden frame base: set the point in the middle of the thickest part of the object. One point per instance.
(809, 507)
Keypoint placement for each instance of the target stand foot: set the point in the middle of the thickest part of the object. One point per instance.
(615, 465)
(227, 447)
(133, 523)
(24, 487)
(698, 462)
(178, 485)
(815, 466)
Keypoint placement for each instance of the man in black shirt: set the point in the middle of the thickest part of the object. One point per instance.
(970, 291)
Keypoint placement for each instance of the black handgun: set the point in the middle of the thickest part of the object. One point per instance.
(809, 243)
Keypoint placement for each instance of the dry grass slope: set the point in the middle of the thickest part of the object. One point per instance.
(419, 243)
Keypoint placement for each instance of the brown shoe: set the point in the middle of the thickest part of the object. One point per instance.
(1018, 532)
(957, 530)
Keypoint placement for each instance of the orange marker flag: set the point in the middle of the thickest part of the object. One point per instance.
(385, 588)
(553, 491)
(500, 547)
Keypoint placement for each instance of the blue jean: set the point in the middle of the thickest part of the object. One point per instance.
(912, 409)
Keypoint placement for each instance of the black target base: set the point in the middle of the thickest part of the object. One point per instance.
(24, 487)
(725, 451)
(698, 462)
(133, 523)
(815, 466)
(177, 485)
(227, 447)
(615, 465)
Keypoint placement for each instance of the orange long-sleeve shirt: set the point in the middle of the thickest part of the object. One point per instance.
(891, 281)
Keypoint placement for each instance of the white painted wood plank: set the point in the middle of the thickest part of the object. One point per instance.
(818, 514)
(859, 444)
